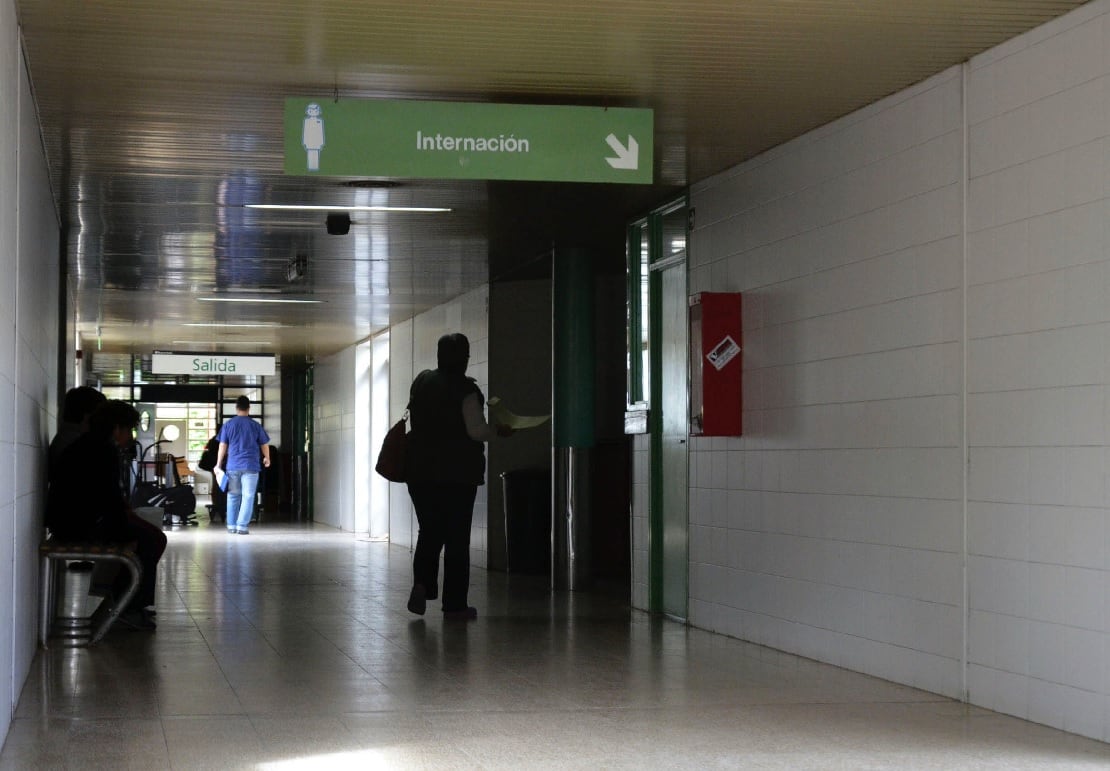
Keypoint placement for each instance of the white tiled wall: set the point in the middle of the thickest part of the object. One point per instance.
(333, 441)
(29, 255)
(10, 625)
(402, 521)
(272, 410)
(412, 348)
(835, 527)
(1038, 269)
(36, 373)
(335, 405)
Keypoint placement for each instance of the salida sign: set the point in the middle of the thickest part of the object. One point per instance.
(212, 364)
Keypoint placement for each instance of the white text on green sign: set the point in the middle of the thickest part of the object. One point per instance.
(468, 140)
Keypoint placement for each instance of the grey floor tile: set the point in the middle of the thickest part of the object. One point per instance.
(293, 649)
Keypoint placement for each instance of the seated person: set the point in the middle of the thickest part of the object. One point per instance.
(79, 403)
(86, 501)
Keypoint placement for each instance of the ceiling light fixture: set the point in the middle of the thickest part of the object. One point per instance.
(222, 325)
(255, 300)
(314, 207)
(213, 342)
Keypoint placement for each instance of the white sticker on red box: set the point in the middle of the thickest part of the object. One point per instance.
(722, 353)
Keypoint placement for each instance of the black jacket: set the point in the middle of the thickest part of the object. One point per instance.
(85, 501)
(439, 449)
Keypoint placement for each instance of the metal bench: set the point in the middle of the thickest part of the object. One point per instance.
(66, 582)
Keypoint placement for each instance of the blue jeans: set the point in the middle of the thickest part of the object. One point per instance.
(241, 488)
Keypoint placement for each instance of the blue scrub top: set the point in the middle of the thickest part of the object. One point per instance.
(244, 437)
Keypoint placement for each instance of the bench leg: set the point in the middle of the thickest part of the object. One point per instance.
(46, 602)
(118, 604)
(95, 627)
(72, 623)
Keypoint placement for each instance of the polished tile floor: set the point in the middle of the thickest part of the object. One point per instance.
(291, 649)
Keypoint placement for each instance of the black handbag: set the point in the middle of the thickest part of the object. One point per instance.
(207, 460)
(391, 458)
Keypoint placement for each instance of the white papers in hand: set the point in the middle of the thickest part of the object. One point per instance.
(499, 415)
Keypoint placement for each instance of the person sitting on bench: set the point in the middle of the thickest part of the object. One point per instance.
(86, 500)
(79, 403)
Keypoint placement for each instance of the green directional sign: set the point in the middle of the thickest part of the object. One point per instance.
(467, 140)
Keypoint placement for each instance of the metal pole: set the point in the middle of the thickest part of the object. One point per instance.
(573, 378)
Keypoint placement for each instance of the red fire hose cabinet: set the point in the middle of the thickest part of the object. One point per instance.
(715, 364)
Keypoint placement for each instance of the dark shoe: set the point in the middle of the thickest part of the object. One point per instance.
(418, 600)
(466, 614)
(136, 619)
(432, 593)
(242, 531)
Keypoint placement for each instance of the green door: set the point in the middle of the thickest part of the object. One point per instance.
(658, 388)
(658, 244)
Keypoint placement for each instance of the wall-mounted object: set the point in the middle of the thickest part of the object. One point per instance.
(715, 364)
(338, 224)
(296, 268)
(636, 418)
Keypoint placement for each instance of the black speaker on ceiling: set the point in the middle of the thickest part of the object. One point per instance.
(339, 224)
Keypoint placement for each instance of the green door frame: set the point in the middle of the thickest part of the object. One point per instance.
(656, 254)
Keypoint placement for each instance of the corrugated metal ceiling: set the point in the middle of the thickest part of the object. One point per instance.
(162, 118)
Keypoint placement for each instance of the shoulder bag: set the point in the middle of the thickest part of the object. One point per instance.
(391, 458)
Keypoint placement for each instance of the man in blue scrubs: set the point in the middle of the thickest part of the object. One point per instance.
(245, 446)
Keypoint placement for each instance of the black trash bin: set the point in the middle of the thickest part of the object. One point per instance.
(527, 502)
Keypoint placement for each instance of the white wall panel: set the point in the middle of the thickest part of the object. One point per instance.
(10, 678)
(402, 521)
(1038, 373)
(412, 348)
(29, 257)
(334, 440)
(835, 527)
(381, 419)
(272, 410)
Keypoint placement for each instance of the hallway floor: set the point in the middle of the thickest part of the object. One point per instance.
(291, 648)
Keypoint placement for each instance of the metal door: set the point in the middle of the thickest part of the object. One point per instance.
(673, 428)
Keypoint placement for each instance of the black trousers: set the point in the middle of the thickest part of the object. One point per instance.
(150, 544)
(444, 511)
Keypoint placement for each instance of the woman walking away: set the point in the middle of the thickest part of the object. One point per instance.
(446, 462)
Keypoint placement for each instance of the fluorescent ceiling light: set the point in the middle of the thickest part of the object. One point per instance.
(314, 207)
(255, 300)
(220, 342)
(222, 325)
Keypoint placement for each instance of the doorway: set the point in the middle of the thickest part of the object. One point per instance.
(658, 379)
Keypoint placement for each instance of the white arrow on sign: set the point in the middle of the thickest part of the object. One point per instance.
(627, 157)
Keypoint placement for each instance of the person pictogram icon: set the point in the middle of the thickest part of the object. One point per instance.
(312, 135)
